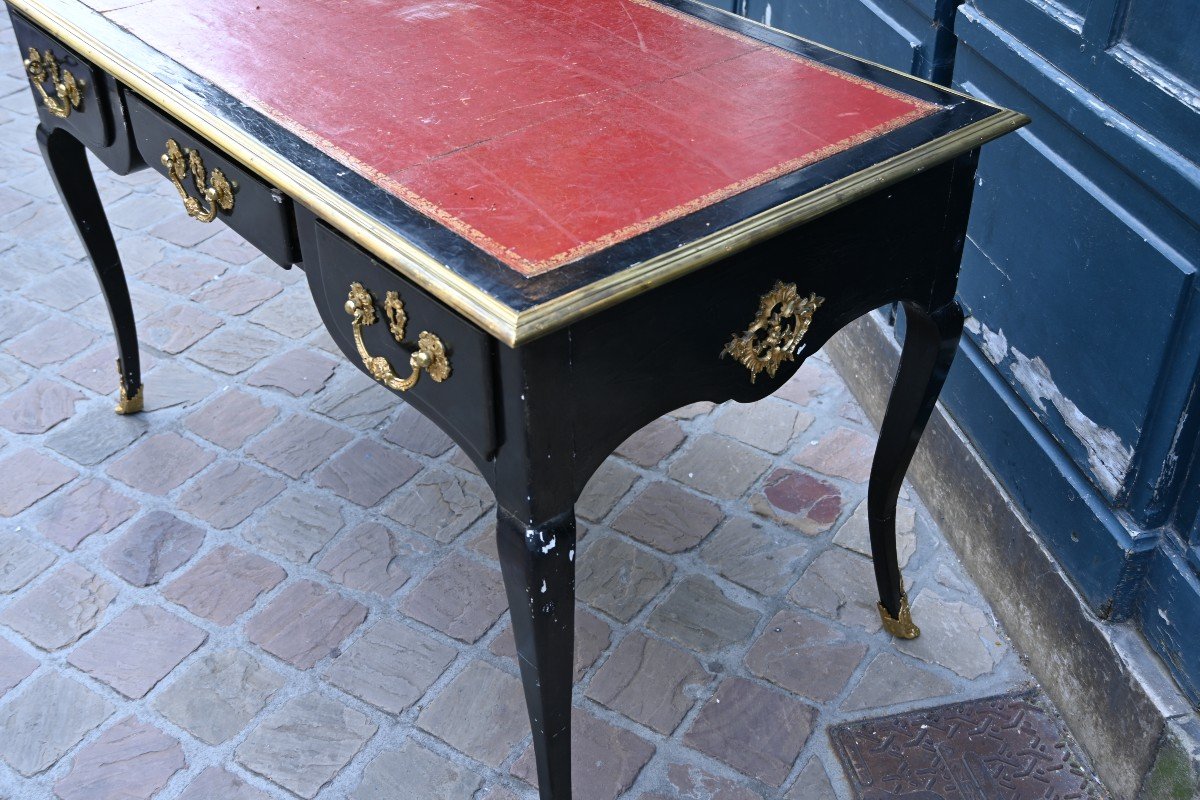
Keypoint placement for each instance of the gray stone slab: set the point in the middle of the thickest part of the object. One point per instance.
(230, 418)
(15, 666)
(215, 783)
(39, 725)
(840, 453)
(812, 784)
(687, 782)
(755, 555)
(132, 760)
(480, 713)
(28, 476)
(137, 649)
(440, 504)
(366, 472)
(617, 578)
(224, 584)
(21, 560)
(653, 443)
(305, 743)
(649, 681)
(592, 638)
(355, 399)
(171, 385)
(295, 526)
(805, 656)
(391, 666)
(421, 772)
(218, 694)
(297, 372)
(298, 444)
(855, 533)
(767, 425)
(96, 434)
(160, 463)
(890, 680)
(61, 609)
(459, 597)
(604, 489)
(38, 406)
(718, 466)
(175, 329)
(157, 543)
(227, 494)
(699, 616)
(605, 759)
(668, 518)
(234, 351)
(305, 623)
(954, 634)
(841, 586)
(89, 507)
(413, 431)
(373, 558)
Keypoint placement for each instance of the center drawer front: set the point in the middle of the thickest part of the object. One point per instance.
(262, 214)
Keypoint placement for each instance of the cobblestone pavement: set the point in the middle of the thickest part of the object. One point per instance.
(280, 581)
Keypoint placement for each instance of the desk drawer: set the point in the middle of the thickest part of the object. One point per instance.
(69, 91)
(461, 403)
(262, 214)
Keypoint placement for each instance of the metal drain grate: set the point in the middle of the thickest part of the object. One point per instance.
(1010, 747)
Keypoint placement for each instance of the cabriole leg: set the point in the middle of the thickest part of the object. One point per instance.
(538, 562)
(930, 342)
(67, 161)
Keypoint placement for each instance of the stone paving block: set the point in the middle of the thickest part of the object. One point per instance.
(305, 623)
(649, 681)
(178, 230)
(890, 680)
(413, 431)
(619, 579)
(218, 694)
(234, 351)
(38, 406)
(605, 759)
(592, 637)
(51, 342)
(373, 558)
(841, 453)
(177, 328)
(480, 713)
(391, 666)
(14, 314)
(40, 724)
(421, 772)
(840, 586)
(12, 373)
(653, 443)
(157, 543)
(132, 760)
(291, 314)
(61, 609)
(230, 418)
(237, 294)
(297, 372)
(604, 489)
(755, 556)
(439, 504)
(767, 425)
(224, 584)
(687, 782)
(229, 493)
(137, 649)
(298, 444)
(855, 533)
(693, 410)
(15, 666)
(96, 434)
(954, 634)
(668, 518)
(89, 507)
(813, 783)
(215, 783)
(805, 656)
(296, 525)
(305, 743)
(699, 616)
(229, 247)
(63, 290)
(160, 463)
(366, 472)
(28, 477)
(20, 561)
(756, 730)
(808, 504)
(498, 793)
(813, 382)
(175, 385)
(459, 597)
(354, 399)
(184, 275)
(719, 467)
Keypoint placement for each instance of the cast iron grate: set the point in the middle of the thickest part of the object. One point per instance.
(1011, 747)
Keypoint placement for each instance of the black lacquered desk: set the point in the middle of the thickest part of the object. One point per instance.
(543, 224)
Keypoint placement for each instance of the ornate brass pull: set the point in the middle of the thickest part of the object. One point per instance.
(775, 334)
(67, 90)
(217, 189)
(431, 353)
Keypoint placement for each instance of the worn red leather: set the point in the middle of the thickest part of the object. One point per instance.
(541, 131)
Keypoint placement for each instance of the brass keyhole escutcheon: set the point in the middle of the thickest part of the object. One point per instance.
(775, 334)
(216, 190)
(68, 91)
(430, 356)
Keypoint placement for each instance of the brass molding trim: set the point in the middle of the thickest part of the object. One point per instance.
(217, 190)
(430, 356)
(777, 331)
(68, 92)
(901, 626)
(498, 319)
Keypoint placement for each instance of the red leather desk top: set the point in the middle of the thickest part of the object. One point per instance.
(540, 130)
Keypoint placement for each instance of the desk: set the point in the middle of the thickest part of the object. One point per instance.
(543, 224)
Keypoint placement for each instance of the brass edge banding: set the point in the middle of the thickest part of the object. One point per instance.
(499, 320)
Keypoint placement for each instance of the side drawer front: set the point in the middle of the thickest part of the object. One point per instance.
(262, 214)
(462, 404)
(91, 119)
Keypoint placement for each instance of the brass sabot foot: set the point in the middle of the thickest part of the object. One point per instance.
(128, 404)
(900, 626)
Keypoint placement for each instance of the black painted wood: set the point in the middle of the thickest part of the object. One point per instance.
(66, 158)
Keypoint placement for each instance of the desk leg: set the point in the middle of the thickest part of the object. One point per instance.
(539, 577)
(930, 342)
(67, 161)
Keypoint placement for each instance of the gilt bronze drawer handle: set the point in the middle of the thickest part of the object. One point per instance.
(431, 353)
(774, 336)
(217, 189)
(68, 92)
